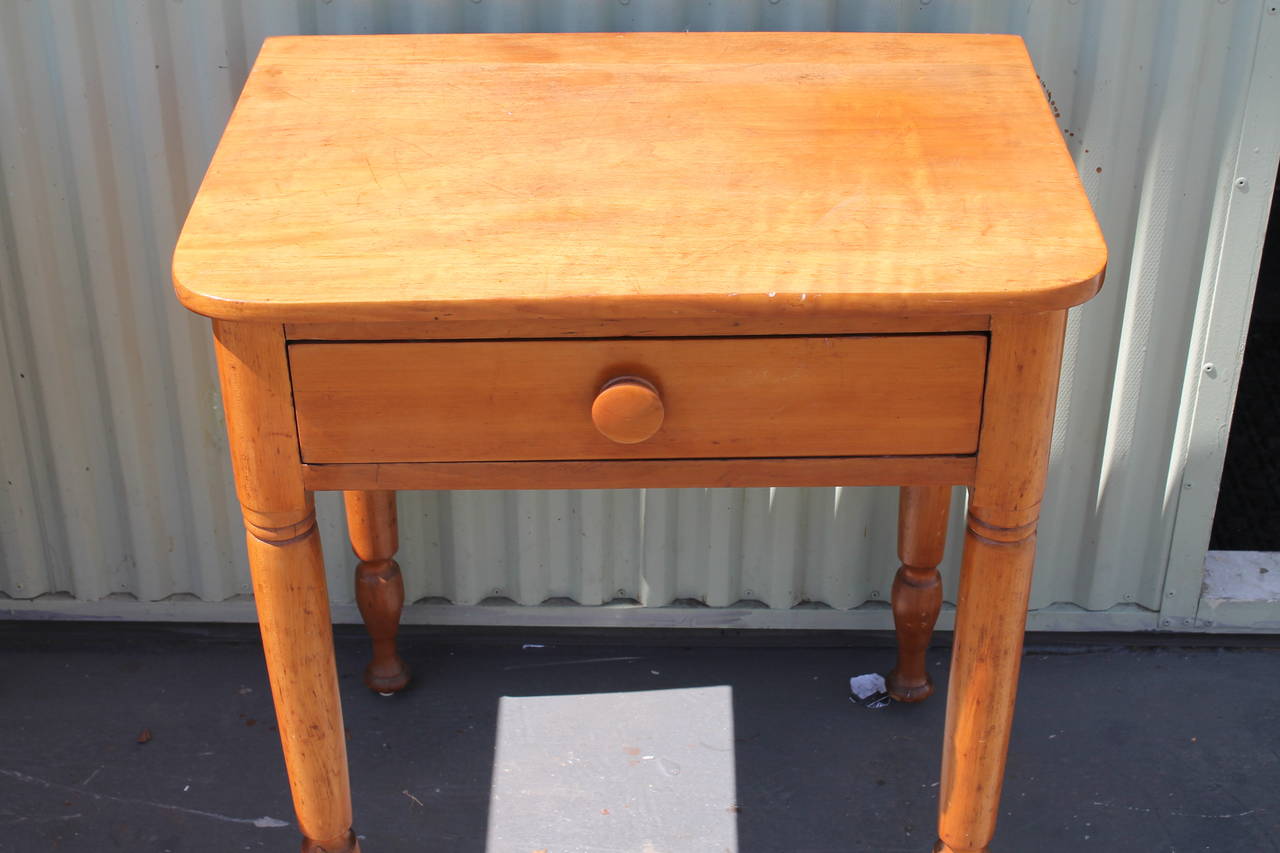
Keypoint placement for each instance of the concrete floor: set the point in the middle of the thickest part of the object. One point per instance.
(674, 745)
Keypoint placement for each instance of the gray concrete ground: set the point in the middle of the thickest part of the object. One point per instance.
(675, 745)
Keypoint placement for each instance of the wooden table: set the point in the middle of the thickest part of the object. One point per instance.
(641, 260)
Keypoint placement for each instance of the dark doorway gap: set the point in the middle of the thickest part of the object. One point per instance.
(1248, 512)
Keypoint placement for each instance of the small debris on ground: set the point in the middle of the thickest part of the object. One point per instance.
(869, 691)
(144, 736)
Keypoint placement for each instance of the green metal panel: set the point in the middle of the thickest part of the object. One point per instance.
(115, 481)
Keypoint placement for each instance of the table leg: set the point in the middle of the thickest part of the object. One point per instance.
(297, 638)
(371, 523)
(288, 579)
(995, 575)
(917, 588)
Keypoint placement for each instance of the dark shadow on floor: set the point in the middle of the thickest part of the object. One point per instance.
(1169, 749)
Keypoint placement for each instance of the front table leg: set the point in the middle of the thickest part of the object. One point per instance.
(288, 579)
(995, 574)
(297, 638)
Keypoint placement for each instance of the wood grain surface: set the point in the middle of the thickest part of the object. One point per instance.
(481, 401)
(995, 575)
(288, 578)
(646, 176)
(782, 323)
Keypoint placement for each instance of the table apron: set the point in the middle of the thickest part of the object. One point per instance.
(647, 473)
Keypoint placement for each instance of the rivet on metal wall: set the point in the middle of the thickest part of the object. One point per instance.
(1242, 184)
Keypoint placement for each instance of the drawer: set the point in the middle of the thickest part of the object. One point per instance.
(449, 401)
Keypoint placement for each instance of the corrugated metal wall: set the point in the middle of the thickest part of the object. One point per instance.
(112, 449)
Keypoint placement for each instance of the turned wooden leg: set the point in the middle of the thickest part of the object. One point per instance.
(288, 579)
(917, 588)
(995, 582)
(293, 612)
(995, 575)
(371, 522)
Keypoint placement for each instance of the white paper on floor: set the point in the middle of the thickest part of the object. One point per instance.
(641, 770)
(863, 686)
(869, 691)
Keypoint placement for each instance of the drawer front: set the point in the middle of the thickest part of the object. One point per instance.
(454, 401)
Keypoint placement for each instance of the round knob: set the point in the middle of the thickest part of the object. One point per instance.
(627, 410)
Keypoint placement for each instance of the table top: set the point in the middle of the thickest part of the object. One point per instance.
(489, 177)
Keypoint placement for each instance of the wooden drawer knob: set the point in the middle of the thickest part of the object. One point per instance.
(627, 410)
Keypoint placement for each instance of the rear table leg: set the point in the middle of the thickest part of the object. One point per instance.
(371, 523)
(917, 588)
